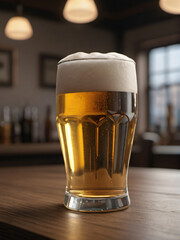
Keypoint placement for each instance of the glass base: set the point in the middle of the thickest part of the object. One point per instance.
(86, 204)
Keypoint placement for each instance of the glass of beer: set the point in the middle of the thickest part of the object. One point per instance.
(96, 117)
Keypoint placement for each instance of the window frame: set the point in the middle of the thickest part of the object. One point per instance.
(148, 49)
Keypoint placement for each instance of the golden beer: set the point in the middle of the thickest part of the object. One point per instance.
(96, 136)
(96, 116)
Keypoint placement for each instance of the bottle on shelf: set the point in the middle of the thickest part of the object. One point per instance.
(169, 118)
(26, 124)
(48, 125)
(5, 126)
(16, 126)
(35, 125)
(170, 123)
(178, 120)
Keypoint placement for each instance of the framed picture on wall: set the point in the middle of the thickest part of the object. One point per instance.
(48, 69)
(6, 65)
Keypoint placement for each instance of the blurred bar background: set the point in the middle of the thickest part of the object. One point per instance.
(139, 29)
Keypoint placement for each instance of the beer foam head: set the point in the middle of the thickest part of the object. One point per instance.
(94, 72)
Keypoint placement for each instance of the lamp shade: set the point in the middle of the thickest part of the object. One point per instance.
(80, 11)
(170, 6)
(18, 28)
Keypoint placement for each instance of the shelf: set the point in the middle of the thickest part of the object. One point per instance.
(166, 150)
(29, 149)
(54, 148)
(36, 149)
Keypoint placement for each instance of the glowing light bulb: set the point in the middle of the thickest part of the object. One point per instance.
(80, 11)
(18, 28)
(170, 6)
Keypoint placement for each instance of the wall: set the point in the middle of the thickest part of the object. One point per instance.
(52, 38)
(134, 44)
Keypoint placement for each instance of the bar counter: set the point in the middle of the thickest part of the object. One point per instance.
(31, 207)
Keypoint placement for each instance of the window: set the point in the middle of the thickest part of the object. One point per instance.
(164, 86)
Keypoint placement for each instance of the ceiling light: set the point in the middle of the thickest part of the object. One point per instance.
(18, 27)
(80, 11)
(170, 6)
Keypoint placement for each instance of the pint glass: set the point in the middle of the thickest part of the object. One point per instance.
(96, 116)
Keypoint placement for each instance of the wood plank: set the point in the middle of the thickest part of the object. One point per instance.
(31, 198)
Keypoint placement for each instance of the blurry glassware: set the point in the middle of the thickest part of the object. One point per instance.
(6, 114)
(80, 11)
(18, 27)
(170, 6)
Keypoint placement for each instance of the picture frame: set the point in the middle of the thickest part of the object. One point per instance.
(48, 69)
(6, 67)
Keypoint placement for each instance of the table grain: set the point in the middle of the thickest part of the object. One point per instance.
(31, 207)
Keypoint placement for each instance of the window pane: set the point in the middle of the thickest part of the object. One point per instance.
(158, 108)
(164, 82)
(157, 80)
(157, 60)
(173, 57)
(173, 78)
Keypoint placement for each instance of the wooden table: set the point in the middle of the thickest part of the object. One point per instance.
(31, 207)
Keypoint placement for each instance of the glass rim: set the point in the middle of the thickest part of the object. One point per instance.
(83, 59)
